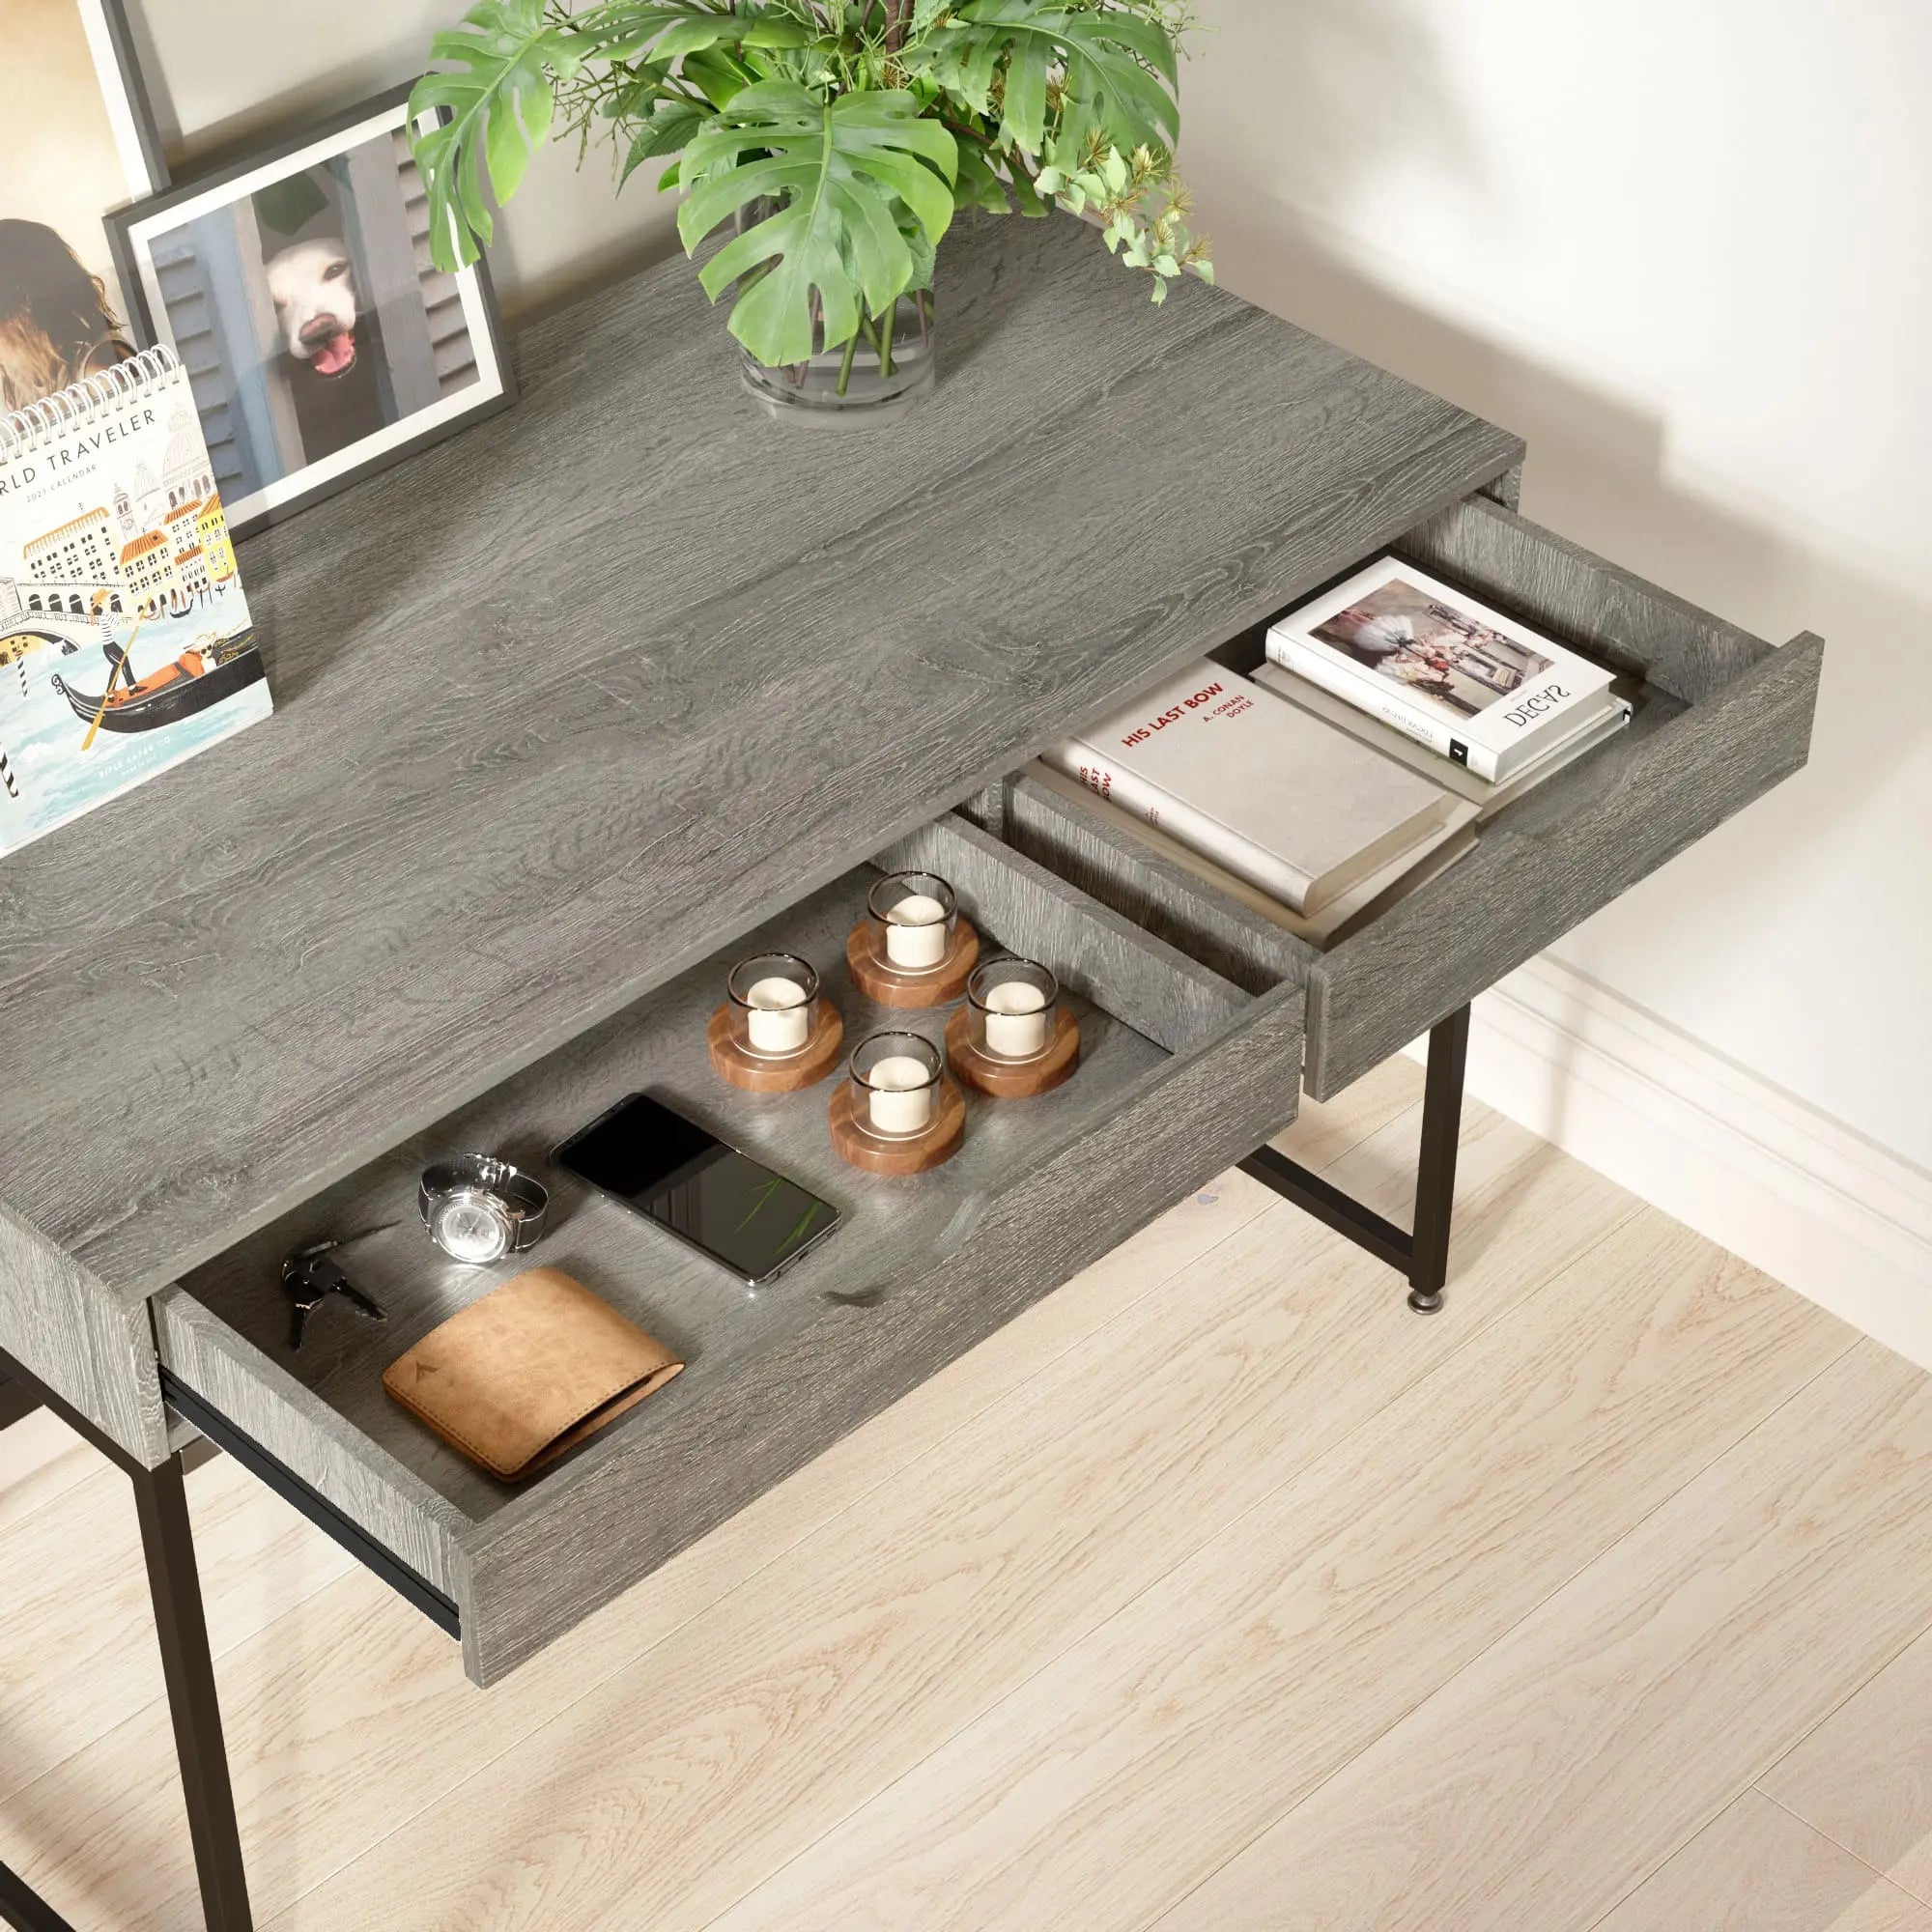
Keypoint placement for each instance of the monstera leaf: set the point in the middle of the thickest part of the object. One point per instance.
(1115, 69)
(499, 104)
(853, 176)
(505, 63)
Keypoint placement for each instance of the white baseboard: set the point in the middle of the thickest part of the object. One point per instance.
(1793, 1191)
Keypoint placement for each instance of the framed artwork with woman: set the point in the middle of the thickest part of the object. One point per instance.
(87, 147)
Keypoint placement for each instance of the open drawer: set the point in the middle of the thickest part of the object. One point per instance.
(1182, 1074)
(1721, 718)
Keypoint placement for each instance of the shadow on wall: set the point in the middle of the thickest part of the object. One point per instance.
(1596, 470)
(1308, 125)
(1596, 474)
(1331, 141)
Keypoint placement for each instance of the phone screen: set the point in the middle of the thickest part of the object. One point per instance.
(708, 1194)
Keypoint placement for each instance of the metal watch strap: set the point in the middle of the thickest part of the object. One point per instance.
(528, 1199)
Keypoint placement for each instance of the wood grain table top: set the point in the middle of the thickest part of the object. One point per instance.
(566, 702)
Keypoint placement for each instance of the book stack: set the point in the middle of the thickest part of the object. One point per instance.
(1393, 717)
(1293, 817)
(1473, 688)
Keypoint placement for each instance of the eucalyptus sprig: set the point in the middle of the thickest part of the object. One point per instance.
(1140, 203)
(840, 135)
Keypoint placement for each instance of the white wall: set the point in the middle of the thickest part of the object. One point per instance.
(1682, 249)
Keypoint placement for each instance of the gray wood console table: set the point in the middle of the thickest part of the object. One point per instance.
(570, 708)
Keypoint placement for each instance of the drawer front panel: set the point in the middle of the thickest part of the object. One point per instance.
(1722, 718)
(1519, 891)
(546, 1564)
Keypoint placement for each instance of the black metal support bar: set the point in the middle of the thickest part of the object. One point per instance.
(1422, 1257)
(18, 1402)
(25, 1910)
(1330, 1205)
(416, 1590)
(181, 1628)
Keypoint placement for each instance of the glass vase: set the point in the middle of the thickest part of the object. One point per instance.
(883, 371)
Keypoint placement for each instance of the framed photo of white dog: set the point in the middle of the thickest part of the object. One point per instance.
(298, 289)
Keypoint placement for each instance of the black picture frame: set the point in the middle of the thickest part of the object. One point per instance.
(121, 43)
(482, 317)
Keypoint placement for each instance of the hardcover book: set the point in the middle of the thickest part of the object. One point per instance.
(1473, 685)
(1489, 798)
(1347, 913)
(126, 645)
(1280, 799)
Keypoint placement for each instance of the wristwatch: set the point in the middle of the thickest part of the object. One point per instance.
(478, 1209)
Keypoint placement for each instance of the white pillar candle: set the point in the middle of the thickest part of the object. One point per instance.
(916, 933)
(779, 1019)
(1015, 1020)
(901, 1098)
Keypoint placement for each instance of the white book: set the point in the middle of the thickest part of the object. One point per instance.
(1474, 686)
(1489, 798)
(1340, 916)
(1298, 809)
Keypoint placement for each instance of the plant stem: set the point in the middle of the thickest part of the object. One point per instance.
(887, 322)
(845, 367)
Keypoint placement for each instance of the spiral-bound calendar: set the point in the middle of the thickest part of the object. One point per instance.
(126, 645)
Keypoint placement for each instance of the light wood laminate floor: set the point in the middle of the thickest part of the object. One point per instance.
(1218, 1594)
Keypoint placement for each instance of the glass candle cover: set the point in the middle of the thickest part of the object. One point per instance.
(915, 914)
(1012, 1002)
(774, 997)
(895, 1084)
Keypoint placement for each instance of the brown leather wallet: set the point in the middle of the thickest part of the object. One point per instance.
(530, 1371)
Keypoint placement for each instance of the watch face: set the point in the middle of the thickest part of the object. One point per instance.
(472, 1228)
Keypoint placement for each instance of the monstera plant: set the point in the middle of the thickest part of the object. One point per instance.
(837, 138)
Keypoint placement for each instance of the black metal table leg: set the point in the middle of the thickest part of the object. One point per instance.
(1423, 1254)
(188, 1667)
(181, 1624)
(1435, 1170)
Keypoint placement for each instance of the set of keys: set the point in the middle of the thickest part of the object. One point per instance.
(310, 1277)
(477, 1209)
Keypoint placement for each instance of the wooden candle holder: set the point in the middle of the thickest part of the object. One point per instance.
(878, 978)
(919, 1155)
(766, 1074)
(1012, 1079)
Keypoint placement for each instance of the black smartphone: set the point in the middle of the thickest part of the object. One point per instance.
(713, 1198)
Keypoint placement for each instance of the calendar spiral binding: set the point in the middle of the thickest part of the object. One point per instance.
(82, 403)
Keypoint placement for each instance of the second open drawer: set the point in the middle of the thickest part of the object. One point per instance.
(1723, 717)
(1182, 1073)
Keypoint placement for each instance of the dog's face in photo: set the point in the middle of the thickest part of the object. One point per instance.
(314, 287)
